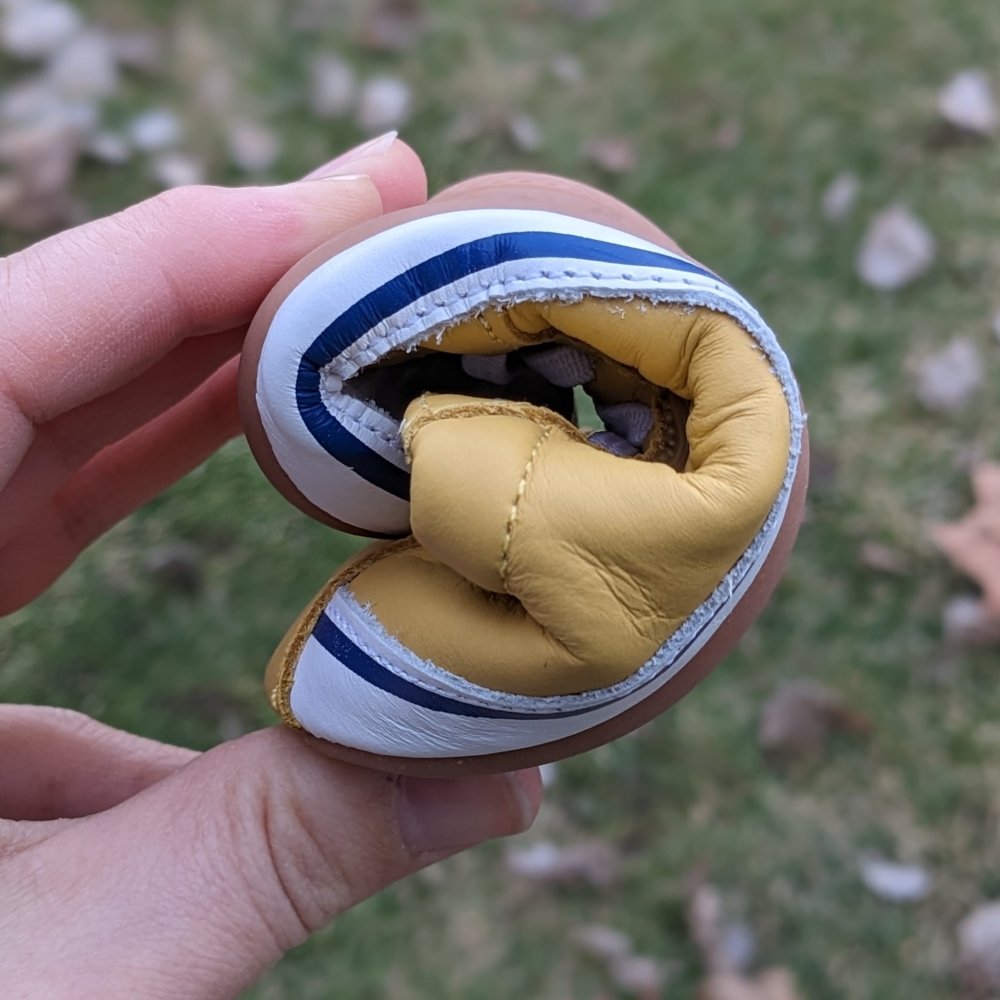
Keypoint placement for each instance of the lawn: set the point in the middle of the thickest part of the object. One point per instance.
(741, 112)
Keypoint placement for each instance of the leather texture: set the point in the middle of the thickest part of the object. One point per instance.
(544, 583)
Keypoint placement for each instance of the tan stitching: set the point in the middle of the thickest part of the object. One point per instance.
(516, 505)
(484, 323)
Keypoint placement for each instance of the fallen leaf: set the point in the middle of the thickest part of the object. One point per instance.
(604, 943)
(140, 50)
(728, 135)
(796, 720)
(979, 951)
(253, 148)
(332, 87)
(392, 25)
(973, 543)
(966, 102)
(525, 132)
(967, 621)
(384, 103)
(840, 196)
(176, 169)
(85, 69)
(638, 976)
(895, 882)
(725, 945)
(594, 861)
(769, 984)
(947, 380)
(881, 557)
(38, 29)
(896, 250)
(110, 148)
(613, 154)
(155, 130)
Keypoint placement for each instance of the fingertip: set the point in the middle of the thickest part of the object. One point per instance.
(397, 173)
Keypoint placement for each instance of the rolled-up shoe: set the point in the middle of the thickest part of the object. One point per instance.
(548, 581)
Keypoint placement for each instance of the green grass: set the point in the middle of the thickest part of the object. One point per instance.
(817, 88)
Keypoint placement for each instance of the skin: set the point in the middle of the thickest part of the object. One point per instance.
(129, 867)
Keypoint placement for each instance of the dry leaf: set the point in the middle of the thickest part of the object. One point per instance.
(525, 132)
(638, 976)
(897, 249)
(966, 102)
(797, 718)
(594, 861)
(176, 169)
(979, 951)
(110, 148)
(86, 68)
(947, 379)
(604, 943)
(155, 130)
(253, 147)
(770, 984)
(725, 945)
(384, 103)
(895, 882)
(881, 557)
(613, 154)
(728, 135)
(332, 87)
(38, 29)
(973, 544)
(967, 621)
(840, 196)
(392, 25)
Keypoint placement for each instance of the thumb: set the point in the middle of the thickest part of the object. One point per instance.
(199, 884)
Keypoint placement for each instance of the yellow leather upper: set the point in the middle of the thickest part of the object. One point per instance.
(546, 565)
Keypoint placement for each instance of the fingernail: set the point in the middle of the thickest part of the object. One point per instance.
(441, 815)
(370, 148)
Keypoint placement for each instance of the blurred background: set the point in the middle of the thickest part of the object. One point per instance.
(820, 818)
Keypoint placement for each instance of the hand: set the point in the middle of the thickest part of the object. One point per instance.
(128, 867)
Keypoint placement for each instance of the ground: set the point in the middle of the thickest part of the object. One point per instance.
(741, 114)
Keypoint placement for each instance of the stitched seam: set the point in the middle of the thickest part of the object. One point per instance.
(353, 423)
(516, 506)
(357, 352)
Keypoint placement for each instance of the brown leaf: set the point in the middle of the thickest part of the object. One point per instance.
(979, 951)
(973, 543)
(392, 25)
(967, 621)
(796, 720)
(896, 250)
(613, 154)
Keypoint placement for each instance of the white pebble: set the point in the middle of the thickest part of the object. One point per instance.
(85, 68)
(966, 101)
(897, 249)
(175, 169)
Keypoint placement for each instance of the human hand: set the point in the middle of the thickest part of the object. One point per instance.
(128, 867)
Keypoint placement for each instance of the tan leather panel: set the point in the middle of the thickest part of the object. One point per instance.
(566, 566)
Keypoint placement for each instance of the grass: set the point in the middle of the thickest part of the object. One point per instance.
(817, 89)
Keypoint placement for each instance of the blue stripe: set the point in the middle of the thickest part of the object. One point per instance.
(328, 634)
(413, 284)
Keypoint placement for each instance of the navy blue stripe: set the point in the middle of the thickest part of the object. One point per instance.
(355, 659)
(420, 280)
